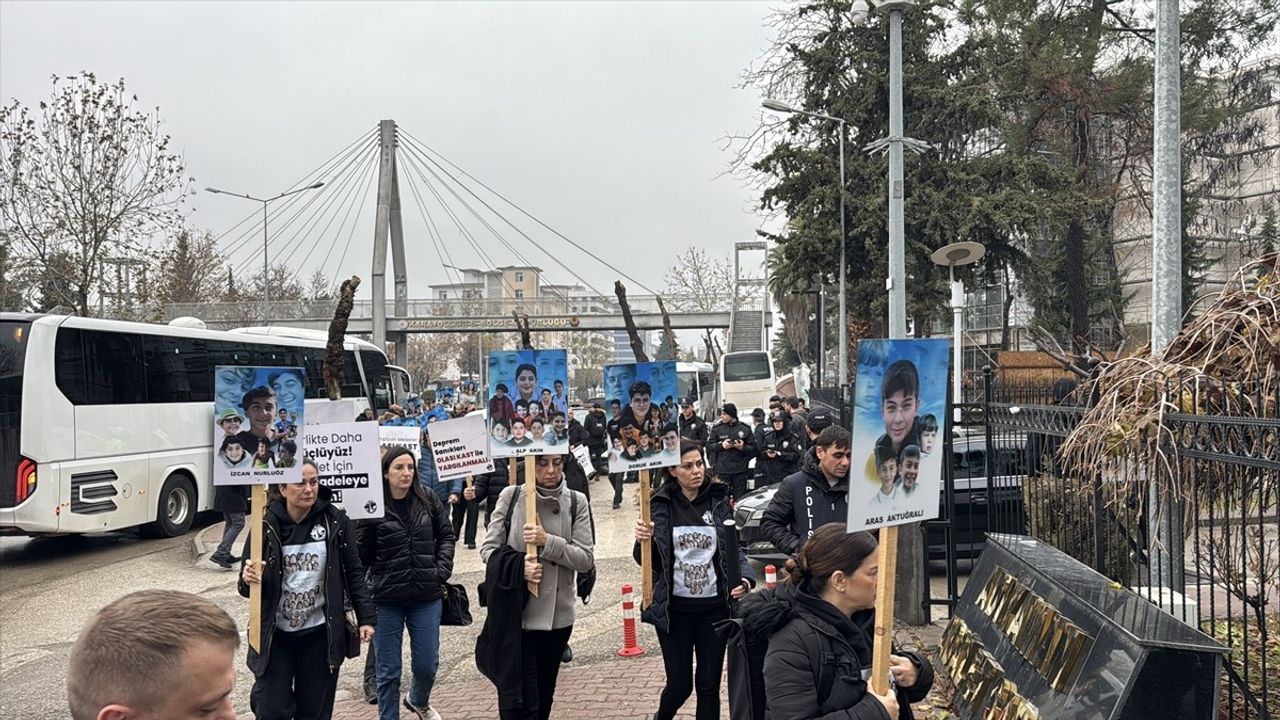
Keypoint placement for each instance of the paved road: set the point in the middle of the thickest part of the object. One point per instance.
(49, 587)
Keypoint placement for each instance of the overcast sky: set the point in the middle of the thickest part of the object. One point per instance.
(601, 119)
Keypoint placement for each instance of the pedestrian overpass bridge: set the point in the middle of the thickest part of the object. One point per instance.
(596, 312)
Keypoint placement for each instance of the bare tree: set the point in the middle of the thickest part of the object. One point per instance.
(432, 355)
(83, 176)
(698, 283)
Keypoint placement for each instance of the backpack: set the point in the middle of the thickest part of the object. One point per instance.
(745, 656)
(586, 581)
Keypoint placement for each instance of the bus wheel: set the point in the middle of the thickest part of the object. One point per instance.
(177, 507)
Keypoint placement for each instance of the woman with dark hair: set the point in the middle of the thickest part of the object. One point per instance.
(693, 584)
(409, 553)
(309, 562)
(819, 663)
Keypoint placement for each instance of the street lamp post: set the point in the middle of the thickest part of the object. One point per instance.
(843, 373)
(860, 12)
(951, 257)
(266, 285)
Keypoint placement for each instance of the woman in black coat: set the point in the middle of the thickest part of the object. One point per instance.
(409, 553)
(818, 663)
(693, 584)
(309, 562)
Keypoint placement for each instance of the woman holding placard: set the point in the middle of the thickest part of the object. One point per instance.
(693, 585)
(409, 553)
(819, 662)
(309, 563)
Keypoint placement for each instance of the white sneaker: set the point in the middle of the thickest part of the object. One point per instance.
(426, 713)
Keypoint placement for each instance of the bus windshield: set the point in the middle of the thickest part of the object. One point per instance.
(685, 385)
(747, 366)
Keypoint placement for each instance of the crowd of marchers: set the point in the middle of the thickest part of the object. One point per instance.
(328, 585)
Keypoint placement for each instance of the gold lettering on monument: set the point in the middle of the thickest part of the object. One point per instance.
(1050, 643)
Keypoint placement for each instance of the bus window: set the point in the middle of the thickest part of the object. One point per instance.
(747, 366)
(177, 369)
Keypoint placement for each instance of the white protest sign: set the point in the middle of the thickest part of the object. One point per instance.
(583, 455)
(327, 412)
(346, 454)
(460, 447)
(407, 436)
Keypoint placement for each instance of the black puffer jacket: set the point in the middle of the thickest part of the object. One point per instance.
(409, 558)
(812, 644)
(342, 571)
(789, 520)
(715, 498)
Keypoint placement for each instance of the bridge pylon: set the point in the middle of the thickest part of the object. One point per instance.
(388, 226)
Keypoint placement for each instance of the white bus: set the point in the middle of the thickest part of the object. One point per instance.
(107, 425)
(697, 380)
(747, 381)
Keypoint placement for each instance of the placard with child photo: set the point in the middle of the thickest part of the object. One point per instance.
(646, 434)
(899, 405)
(526, 394)
(258, 412)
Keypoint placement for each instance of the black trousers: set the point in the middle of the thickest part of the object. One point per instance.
(540, 652)
(297, 684)
(617, 479)
(690, 635)
(737, 483)
(470, 512)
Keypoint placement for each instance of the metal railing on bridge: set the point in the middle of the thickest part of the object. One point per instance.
(286, 311)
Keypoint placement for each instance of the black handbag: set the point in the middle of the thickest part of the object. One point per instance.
(456, 608)
(352, 628)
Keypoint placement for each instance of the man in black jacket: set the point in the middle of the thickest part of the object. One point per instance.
(730, 447)
(691, 426)
(816, 495)
(779, 451)
(597, 428)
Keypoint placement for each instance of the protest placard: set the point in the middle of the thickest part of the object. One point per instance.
(269, 400)
(895, 473)
(527, 389)
(401, 436)
(646, 436)
(346, 454)
(460, 447)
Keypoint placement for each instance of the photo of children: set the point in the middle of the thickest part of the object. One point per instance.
(257, 413)
(523, 386)
(644, 436)
(897, 469)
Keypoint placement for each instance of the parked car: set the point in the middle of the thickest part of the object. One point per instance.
(979, 505)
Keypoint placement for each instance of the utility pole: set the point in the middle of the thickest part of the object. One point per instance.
(1165, 524)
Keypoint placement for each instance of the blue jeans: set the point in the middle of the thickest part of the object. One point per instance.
(423, 621)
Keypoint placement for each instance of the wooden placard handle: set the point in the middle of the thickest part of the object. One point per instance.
(530, 511)
(511, 470)
(257, 504)
(887, 559)
(471, 481)
(646, 547)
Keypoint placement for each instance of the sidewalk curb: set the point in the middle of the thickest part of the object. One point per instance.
(199, 543)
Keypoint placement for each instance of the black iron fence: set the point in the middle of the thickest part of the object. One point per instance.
(1223, 578)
